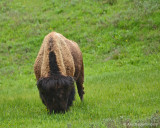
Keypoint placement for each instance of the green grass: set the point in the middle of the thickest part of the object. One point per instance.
(120, 41)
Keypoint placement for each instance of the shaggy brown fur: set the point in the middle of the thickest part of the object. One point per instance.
(58, 62)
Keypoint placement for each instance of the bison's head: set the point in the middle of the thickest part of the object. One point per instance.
(57, 92)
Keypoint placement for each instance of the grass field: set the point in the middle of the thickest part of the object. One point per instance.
(120, 42)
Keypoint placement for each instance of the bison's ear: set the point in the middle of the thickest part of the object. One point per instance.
(70, 81)
(46, 83)
(40, 83)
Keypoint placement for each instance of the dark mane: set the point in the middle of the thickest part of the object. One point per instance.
(54, 69)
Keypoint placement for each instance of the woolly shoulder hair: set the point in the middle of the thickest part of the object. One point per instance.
(55, 81)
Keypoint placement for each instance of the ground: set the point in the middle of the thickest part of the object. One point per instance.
(120, 42)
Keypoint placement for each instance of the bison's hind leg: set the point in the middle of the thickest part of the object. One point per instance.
(79, 83)
(80, 89)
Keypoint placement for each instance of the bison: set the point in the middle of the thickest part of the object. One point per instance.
(59, 63)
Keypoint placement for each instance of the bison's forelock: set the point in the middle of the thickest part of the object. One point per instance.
(57, 92)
